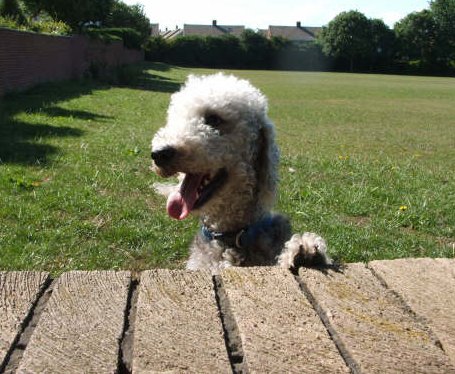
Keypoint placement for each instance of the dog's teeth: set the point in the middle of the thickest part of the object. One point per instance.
(206, 181)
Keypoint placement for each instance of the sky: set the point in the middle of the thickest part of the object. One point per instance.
(259, 14)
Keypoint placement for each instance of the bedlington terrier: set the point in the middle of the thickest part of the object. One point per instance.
(221, 142)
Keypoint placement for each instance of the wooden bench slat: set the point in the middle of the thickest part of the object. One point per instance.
(428, 287)
(373, 324)
(81, 326)
(279, 329)
(18, 293)
(177, 324)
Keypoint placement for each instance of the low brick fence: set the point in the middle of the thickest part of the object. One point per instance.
(27, 58)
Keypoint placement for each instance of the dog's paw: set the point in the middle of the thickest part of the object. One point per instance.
(308, 249)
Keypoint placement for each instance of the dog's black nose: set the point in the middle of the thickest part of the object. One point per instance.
(163, 156)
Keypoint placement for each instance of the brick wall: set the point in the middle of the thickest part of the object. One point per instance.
(27, 58)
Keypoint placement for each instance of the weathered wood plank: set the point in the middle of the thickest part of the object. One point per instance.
(372, 324)
(80, 328)
(177, 325)
(279, 329)
(428, 287)
(18, 293)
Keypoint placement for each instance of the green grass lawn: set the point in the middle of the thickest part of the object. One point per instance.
(368, 161)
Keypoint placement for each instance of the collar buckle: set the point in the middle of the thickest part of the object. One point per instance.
(238, 239)
(228, 239)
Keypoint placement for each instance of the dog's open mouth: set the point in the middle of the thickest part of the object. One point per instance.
(195, 191)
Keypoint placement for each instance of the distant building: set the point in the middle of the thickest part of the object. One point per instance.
(154, 29)
(170, 34)
(295, 34)
(212, 30)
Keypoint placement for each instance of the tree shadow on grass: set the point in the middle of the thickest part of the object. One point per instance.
(24, 143)
(145, 76)
(159, 66)
(152, 82)
(79, 114)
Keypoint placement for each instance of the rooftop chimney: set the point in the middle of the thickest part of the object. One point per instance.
(299, 24)
(214, 22)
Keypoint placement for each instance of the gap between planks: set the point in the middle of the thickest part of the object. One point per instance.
(344, 353)
(16, 351)
(125, 357)
(231, 332)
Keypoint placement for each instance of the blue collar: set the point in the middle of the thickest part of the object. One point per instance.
(242, 239)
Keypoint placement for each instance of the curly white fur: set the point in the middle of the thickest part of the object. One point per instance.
(220, 122)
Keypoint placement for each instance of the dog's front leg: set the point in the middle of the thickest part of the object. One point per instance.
(308, 249)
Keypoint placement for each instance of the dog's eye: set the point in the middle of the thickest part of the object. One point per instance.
(213, 120)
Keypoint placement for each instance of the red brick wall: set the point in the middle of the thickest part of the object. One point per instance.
(27, 58)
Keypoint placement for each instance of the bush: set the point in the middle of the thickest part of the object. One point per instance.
(102, 35)
(187, 50)
(11, 23)
(257, 50)
(50, 27)
(123, 75)
(304, 56)
(223, 52)
(128, 16)
(44, 27)
(11, 9)
(217, 52)
(156, 49)
(252, 51)
(130, 37)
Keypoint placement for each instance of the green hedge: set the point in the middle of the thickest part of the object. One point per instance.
(254, 51)
(131, 38)
(43, 27)
(251, 51)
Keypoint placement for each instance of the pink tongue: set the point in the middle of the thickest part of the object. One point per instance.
(180, 203)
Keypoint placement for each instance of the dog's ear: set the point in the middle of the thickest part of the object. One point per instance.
(267, 165)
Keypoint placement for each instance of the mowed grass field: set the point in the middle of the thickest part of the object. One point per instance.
(368, 161)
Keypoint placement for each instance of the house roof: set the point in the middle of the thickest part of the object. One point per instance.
(212, 30)
(170, 34)
(313, 30)
(294, 33)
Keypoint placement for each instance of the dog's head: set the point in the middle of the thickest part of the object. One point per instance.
(219, 138)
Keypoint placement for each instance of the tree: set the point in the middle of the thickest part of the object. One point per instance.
(11, 9)
(156, 49)
(34, 7)
(347, 37)
(444, 17)
(417, 34)
(80, 12)
(131, 16)
(444, 14)
(382, 43)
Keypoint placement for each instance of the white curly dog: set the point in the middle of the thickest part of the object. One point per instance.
(221, 142)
